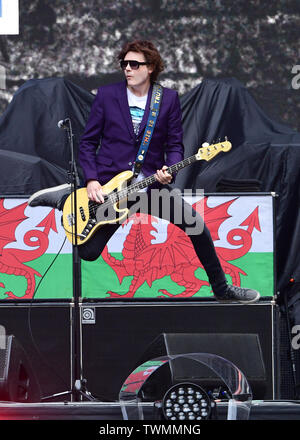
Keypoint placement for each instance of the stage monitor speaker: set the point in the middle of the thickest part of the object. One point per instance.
(18, 382)
(243, 350)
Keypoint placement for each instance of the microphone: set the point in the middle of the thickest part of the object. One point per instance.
(63, 123)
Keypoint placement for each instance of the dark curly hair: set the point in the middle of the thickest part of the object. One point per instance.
(150, 52)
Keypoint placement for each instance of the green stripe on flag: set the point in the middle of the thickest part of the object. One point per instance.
(56, 284)
(98, 278)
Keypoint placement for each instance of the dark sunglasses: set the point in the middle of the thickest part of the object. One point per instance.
(134, 65)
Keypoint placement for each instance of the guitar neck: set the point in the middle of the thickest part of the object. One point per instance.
(151, 179)
(206, 152)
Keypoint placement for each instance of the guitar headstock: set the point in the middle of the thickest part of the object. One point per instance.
(208, 152)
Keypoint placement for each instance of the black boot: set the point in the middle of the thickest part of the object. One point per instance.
(53, 197)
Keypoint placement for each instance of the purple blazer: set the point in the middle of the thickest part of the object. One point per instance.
(110, 125)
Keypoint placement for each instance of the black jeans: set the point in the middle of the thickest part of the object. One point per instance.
(191, 222)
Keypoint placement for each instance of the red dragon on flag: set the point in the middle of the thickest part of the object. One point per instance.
(176, 257)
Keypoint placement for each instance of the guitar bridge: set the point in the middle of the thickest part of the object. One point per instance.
(71, 219)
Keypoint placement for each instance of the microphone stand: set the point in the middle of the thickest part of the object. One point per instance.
(79, 389)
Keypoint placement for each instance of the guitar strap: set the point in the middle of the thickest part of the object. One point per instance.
(156, 98)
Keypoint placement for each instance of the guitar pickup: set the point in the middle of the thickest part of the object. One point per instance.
(81, 210)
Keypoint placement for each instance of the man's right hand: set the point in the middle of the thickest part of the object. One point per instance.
(94, 191)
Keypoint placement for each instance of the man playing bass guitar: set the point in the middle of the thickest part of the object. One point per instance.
(118, 122)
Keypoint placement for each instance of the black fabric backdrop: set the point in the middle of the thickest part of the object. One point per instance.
(261, 149)
(35, 153)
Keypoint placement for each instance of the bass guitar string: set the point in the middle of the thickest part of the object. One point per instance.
(120, 195)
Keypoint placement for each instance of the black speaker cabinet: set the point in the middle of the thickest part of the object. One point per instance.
(42, 335)
(18, 382)
(116, 337)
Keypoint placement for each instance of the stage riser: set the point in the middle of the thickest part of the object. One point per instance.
(102, 413)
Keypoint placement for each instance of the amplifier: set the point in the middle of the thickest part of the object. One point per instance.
(120, 336)
(42, 335)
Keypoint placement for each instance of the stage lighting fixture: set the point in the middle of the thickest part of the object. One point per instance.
(186, 401)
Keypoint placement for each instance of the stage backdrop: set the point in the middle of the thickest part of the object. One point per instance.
(256, 41)
(144, 259)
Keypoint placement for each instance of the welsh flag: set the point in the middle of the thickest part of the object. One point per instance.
(146, 258)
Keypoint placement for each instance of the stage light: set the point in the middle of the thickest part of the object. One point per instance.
(186, 401)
